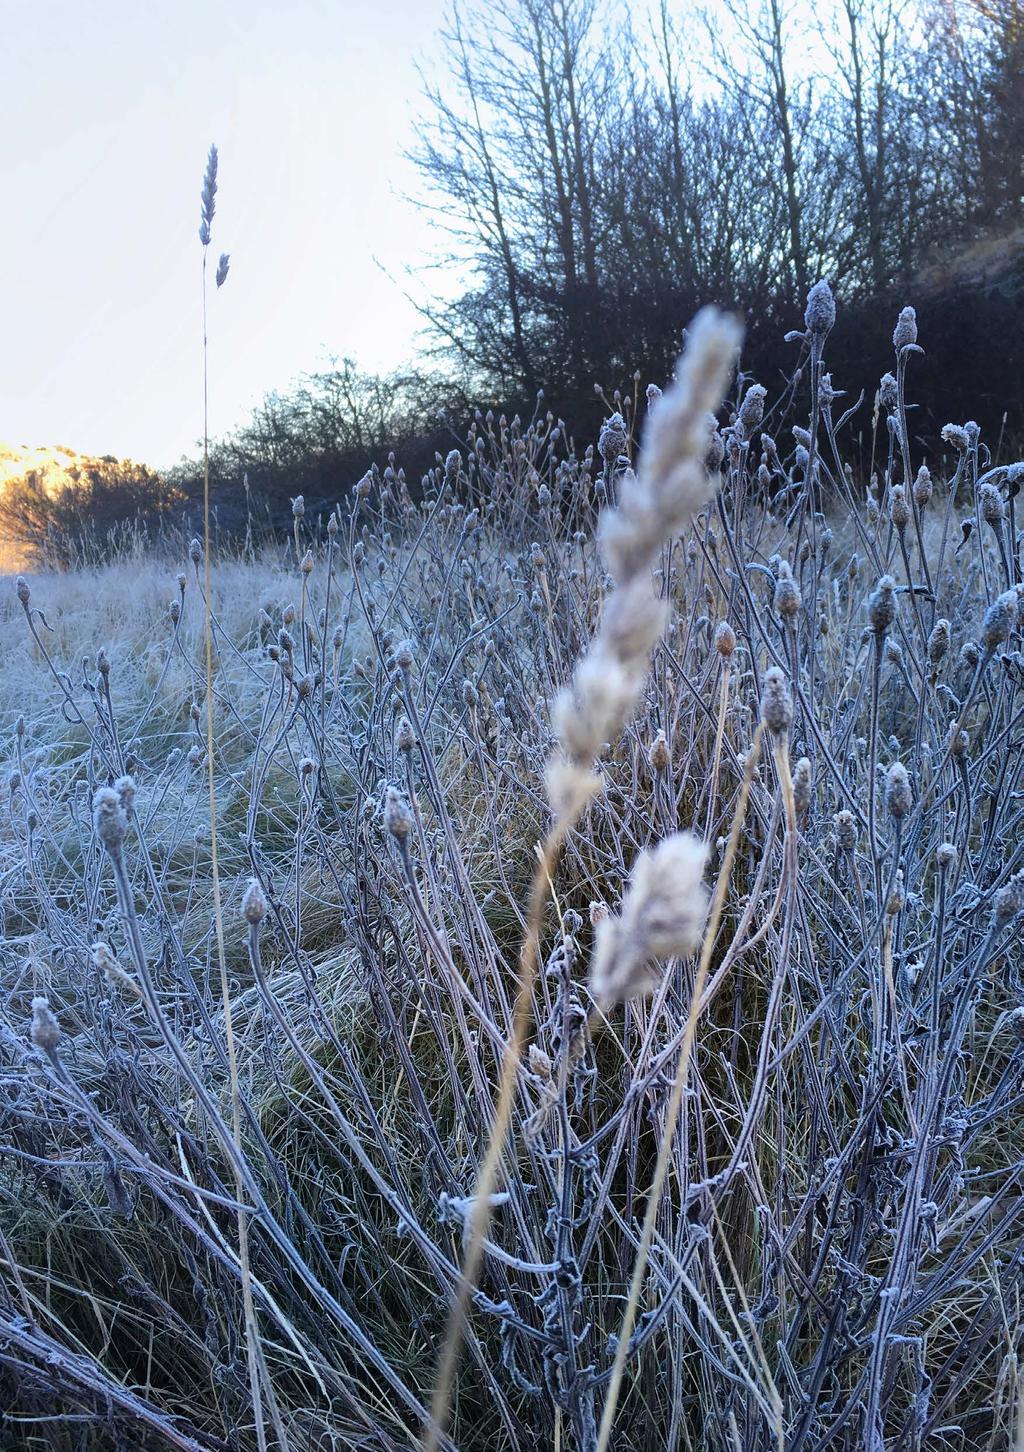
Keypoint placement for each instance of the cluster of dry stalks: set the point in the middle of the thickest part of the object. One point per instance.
(607, 1031)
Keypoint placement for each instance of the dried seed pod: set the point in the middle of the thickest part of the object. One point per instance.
(820, 312)
(45, 1032)
(1008, 902)
(938, 642)
(776, 702)
(899, 508)
(882, 605)
(888, 391)
(922, 487)
(898, 796)
(659, 755)
(845, 824)
(254, 902)
(724, 639)
(398, 819)
(905, 331)
(999, 620)
(109, 819)
(802, 782)
(613, 438)
(787, 600)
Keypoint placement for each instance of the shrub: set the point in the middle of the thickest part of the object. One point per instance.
(832, 1254)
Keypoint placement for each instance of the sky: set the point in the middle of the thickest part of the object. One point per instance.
(107, 113)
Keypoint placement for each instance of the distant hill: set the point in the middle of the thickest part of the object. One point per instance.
(60, 470)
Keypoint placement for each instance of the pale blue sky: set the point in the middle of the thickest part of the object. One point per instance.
(107, 111)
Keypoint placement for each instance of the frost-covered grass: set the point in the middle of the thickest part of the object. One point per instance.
(835, 1255)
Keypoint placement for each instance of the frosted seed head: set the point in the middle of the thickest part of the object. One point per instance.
(24, 593)
(787, 595)
(899, 508)
(398, 819)
(125, 788)
(888, 391)
(882, 605)
(405, 654)
(109, 819)
(922, 486)
(955, 435)
(1008, 902)
(845, 824)
(820, 312)
(990, 502)
(663, 916)
(898, 796)
(938, 642)
(298, 507)
(724, 639)
(254, 902)
(945, 856)
(45, 1032)
(404, 738)
(906, 329)
(195, 551)
(659, 755)
(539, 1062)
(802, 783)
(612, 439)
(751, 411)
(999, 620)
(776, 702)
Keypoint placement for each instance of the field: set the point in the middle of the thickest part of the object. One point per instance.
(595, 1017)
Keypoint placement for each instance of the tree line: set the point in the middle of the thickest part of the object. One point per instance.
(595, 174)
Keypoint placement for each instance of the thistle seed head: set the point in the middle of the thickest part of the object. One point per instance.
(1008, 902)
(659, 755)
(254, 902)
(999, 620)
(776, 702)
(845, 824)
(612, 438)
(724, 639)
(938, 642)
(751, 411)
(898, 796)
(991, 506)
(882, 605)
(109, 820)
(899, 508)
(906, 329)
(398, 819)
(45, 1032)
(787, 594)
(820, 312)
